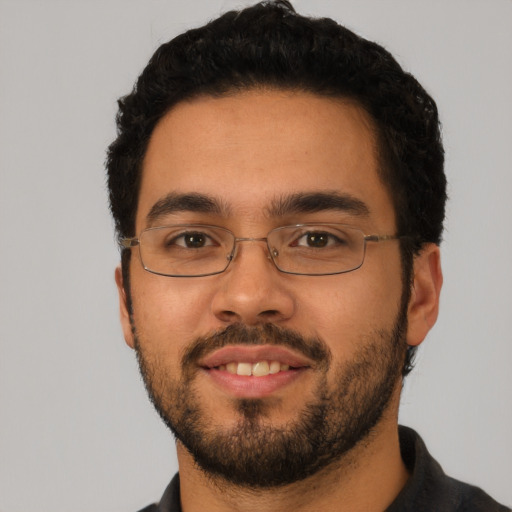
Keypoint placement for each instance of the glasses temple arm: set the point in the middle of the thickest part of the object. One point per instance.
(126, 243)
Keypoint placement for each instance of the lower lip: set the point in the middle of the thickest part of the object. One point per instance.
(241, 386)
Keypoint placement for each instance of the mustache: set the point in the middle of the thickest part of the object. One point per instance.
(266, 334)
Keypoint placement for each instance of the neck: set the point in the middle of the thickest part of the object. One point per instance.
(369, 477)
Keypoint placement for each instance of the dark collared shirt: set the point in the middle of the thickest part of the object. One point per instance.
(427, 490)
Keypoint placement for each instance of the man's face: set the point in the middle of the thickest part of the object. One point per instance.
(251, 155)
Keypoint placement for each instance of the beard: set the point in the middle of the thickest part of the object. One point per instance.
(253, 453)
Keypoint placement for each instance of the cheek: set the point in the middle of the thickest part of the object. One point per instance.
(347, 310)
(169, 313)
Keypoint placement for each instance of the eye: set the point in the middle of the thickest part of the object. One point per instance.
(318, 240)
(191, 240)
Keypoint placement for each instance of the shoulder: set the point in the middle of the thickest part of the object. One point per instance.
(170, 501)
(429, 488)
(472, 499)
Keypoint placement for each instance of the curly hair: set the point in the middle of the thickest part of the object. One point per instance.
(270, 45)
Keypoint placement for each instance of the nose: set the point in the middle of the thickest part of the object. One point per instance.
(252, 290)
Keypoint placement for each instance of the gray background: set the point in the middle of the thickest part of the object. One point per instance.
(76, 430)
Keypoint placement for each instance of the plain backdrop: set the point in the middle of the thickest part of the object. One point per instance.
(77, 432)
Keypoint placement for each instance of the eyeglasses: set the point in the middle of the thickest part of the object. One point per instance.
(199, 250)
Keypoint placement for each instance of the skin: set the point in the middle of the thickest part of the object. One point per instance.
(245, 150)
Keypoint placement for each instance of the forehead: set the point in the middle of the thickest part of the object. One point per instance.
(250, 150)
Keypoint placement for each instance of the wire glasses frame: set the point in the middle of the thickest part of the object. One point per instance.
(197, 250)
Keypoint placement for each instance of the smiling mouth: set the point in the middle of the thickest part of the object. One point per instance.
(258, 369)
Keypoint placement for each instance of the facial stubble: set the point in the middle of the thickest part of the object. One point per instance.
(257, 454)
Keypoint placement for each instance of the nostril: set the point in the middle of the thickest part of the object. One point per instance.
(229, 316)
(269, 313)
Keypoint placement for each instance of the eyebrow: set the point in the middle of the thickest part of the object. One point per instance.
(302, 202)
(192, 202)
(312, 202)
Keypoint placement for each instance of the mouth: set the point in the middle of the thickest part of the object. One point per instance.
(259, 369)
(254, 371)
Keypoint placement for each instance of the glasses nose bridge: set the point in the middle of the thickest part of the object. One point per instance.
(249, 239)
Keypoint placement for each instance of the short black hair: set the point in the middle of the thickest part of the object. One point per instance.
(270, 45)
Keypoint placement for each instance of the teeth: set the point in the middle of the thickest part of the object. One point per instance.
(244, 369)
(275, 367)
(259, 369)
(232, 367)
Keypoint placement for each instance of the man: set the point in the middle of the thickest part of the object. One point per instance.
(278, 189)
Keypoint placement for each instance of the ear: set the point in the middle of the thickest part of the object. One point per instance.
(426, 287)
(124, 312)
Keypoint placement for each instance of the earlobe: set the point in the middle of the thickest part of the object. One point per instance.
(124, 312)
(426, 288)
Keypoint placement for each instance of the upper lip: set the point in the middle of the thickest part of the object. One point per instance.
(253, 354)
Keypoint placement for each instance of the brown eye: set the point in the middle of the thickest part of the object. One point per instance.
(191, 240)
(194, 240)
(317, 239)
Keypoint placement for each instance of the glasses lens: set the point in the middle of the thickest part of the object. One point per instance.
(317, 249)
(186, 250)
